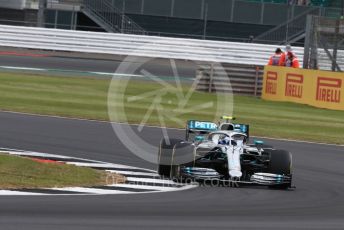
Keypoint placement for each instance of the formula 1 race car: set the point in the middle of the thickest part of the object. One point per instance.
(224, 155)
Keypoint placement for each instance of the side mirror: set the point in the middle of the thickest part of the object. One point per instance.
(258, 142)
(199, 138)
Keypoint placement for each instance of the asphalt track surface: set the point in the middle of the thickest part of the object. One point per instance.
(158, 67)
(316, 203)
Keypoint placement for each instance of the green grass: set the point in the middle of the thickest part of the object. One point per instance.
(65, 96)
(19, 172)
(87, 98)
(291, 120)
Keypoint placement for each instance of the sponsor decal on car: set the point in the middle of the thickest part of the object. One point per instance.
(202, 125)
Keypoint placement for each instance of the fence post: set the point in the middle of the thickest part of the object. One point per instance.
(205, 21)
(335, 48)
(211, 77)
(308, 40)
(256, 81)
(123, 17)
(42, 5)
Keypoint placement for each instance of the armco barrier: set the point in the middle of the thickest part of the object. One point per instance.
(138, 45)
(231, 78)
(143, 45)
(323, 89)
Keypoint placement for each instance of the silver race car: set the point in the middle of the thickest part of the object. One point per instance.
(221, 152)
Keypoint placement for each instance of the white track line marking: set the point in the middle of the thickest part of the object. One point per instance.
(21, 68)
(93, 190)
(299, 141)
(18, 193)
(33, 154)
(147, 180)
(130, 173)
(146, 187)
(100, 165)
(73, 71)
(19, 152)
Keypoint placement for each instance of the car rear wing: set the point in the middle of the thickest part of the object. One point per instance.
(199, 128)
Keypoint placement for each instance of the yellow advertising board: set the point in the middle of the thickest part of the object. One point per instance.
(323, 89)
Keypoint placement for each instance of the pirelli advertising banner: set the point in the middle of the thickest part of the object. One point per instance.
(323, 89)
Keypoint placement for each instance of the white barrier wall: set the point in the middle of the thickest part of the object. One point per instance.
(138, 45)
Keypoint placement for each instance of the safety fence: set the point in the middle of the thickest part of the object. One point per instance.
(112, 19)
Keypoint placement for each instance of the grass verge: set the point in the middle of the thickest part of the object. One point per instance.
(87, 98)
(19, 172)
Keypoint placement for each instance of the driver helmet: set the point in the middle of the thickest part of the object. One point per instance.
(224, 141)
